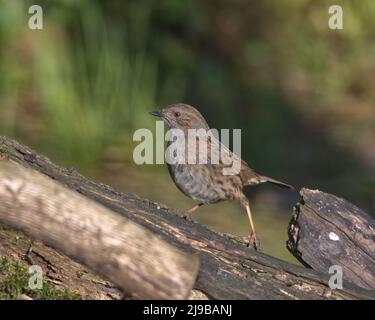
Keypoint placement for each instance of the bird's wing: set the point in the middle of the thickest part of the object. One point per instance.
(248, 176)
(222, 158)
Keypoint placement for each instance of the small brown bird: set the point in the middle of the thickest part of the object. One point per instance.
(206, 183)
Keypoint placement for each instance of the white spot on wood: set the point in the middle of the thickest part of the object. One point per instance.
(158, 207)
(333, 236)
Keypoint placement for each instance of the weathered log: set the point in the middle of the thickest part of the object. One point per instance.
(58, 269)
(326, 230)
(228, 269)
(132, 257)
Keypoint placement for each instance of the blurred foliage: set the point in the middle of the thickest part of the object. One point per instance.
(303, 94)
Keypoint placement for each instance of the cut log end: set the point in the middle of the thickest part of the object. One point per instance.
(293, 236)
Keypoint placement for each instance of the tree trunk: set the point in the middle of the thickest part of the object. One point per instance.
(228, 269)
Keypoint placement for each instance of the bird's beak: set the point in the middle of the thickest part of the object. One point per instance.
(156, 113)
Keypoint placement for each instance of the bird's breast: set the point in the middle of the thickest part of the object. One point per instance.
(204, 183)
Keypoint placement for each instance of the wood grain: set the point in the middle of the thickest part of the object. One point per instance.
(132, 257)
(228, 269)
(326, 230)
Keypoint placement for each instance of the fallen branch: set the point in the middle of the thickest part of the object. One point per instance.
(228, 269)
(135, 259)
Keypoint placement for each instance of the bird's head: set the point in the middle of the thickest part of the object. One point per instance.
(181, 116)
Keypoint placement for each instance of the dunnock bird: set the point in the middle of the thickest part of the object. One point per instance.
(205, 183)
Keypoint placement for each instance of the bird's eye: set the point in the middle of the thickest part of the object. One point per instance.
(177, 114)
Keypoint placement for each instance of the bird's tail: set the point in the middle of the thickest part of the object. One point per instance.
(276, 182)
(250, 178)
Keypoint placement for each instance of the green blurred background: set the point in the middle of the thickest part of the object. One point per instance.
(302, 94)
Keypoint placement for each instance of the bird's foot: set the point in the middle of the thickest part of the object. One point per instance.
(185, 214)
(188, 213)
(253, 241)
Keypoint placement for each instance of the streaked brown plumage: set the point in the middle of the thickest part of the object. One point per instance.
(206, 183)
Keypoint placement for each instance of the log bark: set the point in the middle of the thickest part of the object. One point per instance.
(58, 269)
(326, 231)
(228, 269)
(134, 258)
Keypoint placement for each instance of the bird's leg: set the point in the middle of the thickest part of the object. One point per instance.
(188, 213)
(253, 240)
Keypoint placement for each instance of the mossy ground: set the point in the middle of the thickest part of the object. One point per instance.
(14, 281)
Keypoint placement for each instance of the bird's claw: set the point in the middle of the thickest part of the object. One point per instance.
(253, 241)
(185, 215)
